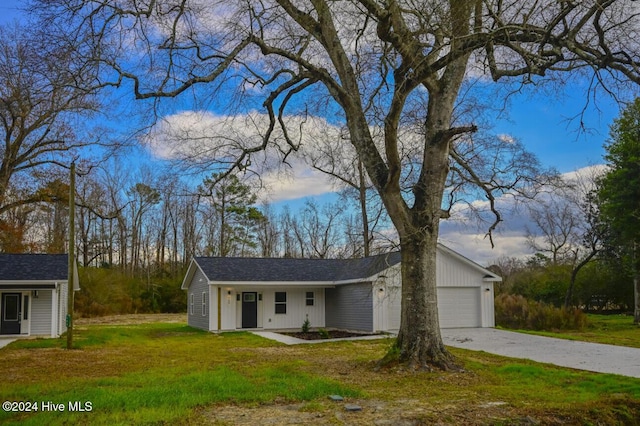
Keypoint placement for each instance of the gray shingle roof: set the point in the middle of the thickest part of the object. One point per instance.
(243, 269)
(34, 267)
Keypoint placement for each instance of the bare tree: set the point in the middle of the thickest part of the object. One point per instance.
(42, 93)
(378, 66)
(268, 233)
(332, 156)
(555, 228)
(142, 199)
(319, 227)
(567, 224)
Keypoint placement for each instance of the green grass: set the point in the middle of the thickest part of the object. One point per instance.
(158, 373)
(608, 329)
(173, 374)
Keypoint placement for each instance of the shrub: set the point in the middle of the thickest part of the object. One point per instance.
(306, 325)
(515, 311)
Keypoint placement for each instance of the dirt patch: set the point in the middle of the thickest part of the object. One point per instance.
(399, 412)
(328, 334)
(132, 319)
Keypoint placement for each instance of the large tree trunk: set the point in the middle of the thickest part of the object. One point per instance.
(419, 339)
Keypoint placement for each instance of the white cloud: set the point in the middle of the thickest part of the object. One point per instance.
(204, 141)
(466, 235)
(477, 247)
(506, 138)
(294, 182)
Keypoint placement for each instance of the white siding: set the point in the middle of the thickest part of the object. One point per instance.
(393, 298)
(41, 313)
(487, 306)
(25, 327)
(450, 272)
(228, 305)
(464, 299)
(297, 311)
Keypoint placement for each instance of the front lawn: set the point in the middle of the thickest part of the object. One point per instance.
(616, 330)
(164, 373)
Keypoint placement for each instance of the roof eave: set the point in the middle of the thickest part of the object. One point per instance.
(191, 271)
(32, 282)
(328, 284)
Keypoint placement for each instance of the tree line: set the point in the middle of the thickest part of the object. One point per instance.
(585, 233)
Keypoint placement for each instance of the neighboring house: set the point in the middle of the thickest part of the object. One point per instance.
(33, 294)
(351, 294)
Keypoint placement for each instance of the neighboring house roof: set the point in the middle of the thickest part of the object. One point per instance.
(245, 269)
(34, 267)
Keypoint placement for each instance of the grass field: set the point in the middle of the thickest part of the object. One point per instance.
(609, 329)
(168, 373)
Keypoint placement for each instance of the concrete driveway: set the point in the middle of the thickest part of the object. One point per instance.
(565, 353)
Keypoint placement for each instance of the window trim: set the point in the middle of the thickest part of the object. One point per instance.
(192, 304)
(25, 307)
(280, 305)
(204, 304)
(310, 301)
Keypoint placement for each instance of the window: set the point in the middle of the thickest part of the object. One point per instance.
(25, 308)
(310, 298)
(204, 304)
(281, 302)
(192, 304)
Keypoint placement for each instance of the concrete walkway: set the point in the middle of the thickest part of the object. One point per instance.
(290, 340)
(564, 353)
(5, 341)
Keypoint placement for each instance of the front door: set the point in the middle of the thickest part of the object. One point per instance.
(10, 313)
(249, 310)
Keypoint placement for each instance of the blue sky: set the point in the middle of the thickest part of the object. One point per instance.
(543, 123)
(8, 10)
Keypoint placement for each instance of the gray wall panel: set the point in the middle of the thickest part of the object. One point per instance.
(350, 307)
(198, 285)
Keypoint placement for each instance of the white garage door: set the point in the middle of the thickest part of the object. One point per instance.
(459, 307)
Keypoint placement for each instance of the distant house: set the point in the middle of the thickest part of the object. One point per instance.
(33, 294)
(352, 294)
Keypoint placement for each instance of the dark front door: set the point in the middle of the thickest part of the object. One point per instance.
(249, 310)
(10, 313)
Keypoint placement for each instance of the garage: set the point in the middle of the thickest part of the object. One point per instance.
(459, 307)
(465, 294)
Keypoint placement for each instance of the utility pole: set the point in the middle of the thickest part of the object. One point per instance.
(72, 255)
